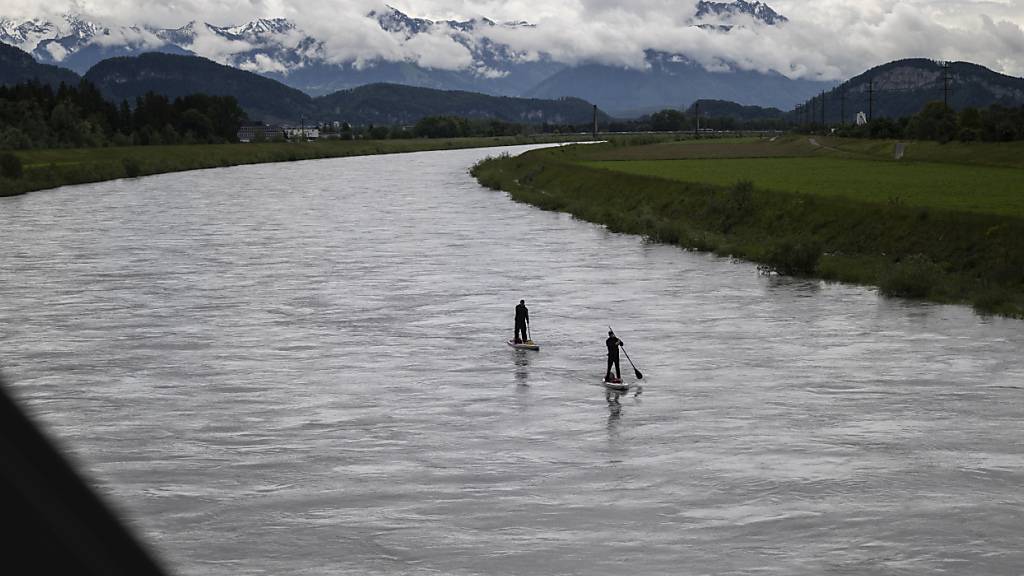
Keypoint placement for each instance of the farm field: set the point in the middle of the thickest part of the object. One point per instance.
(947, 230)
(1005, 154)
(959, 187)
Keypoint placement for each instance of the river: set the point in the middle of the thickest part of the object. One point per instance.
(300, 369)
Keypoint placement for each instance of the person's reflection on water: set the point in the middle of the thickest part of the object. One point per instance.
(614, 397)
(522, 371)
(614, 415)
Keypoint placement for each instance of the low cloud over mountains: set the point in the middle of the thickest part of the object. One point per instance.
(826, 39)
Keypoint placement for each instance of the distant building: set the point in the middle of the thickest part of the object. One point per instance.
(265, 133)
(862, 118)
(300, 133)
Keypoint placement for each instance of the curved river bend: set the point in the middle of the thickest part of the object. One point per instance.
(300, 369)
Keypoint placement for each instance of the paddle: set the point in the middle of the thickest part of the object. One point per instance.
(639, 375)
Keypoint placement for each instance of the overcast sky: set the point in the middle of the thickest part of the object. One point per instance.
(828, 39)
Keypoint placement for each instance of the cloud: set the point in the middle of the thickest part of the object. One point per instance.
(825, 39)
(215, 47)
(263, 63)
(56, 51)
(119, 36)
(434, 49)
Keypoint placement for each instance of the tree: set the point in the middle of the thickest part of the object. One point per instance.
(378, 132)
(12, 138)
(195, 122)
(10, 166)
(935, 122)
(441, 127)
(668, 121)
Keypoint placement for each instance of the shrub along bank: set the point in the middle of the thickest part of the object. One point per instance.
(941, 255)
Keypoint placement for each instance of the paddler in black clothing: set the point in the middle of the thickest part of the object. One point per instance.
(522, 319)
(613, 344)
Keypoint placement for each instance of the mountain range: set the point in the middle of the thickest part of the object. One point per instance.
(901, 88)
(278, 49)
(283, 74)
(265, 99)
(672, 82)
(896, 89)
(17, 67)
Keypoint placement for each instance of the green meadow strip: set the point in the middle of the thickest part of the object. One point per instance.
(958, 246)
(51, 168)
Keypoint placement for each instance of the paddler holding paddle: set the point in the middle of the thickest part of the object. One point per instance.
(522, 319)
(613, 344)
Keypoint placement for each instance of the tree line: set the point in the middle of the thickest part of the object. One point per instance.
(667, 120)
(35, 115)
(429, 127)
(940, 123)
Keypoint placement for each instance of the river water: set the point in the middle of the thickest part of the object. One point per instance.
(300, 369)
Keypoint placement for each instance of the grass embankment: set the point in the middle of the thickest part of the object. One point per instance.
(925, 185)
(942, 231)
(60, 167)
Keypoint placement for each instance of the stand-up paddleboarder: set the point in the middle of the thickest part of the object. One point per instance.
(613, 344)
(522, 319)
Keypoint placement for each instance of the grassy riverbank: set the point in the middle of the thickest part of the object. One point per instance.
(51, 168)
(839, 210)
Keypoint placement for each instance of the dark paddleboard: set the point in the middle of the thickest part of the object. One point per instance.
(616, 385)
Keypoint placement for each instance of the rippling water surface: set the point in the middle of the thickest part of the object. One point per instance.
(300, 369)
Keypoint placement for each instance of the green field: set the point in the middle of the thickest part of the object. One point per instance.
(709, 148)
(949, 229)
(962, 187)
(1008, 154)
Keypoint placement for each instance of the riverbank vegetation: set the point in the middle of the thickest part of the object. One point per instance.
(53, 137)
(50, 168)
(34, 115)
(948, 231)
(939, 123)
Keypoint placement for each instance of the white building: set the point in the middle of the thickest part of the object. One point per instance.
(262, 133)
(300, 133)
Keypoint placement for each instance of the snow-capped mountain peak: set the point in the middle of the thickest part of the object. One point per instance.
(27, 35)
(395, 21)
(183, 36)
(81, 28)
(726, 11)
(260, 27)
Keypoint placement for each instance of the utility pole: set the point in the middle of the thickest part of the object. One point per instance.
(814, 111)
(842, 107)
(947, 79)
(696, 118)
(823, 110)
(595, 121)
(871, 100)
